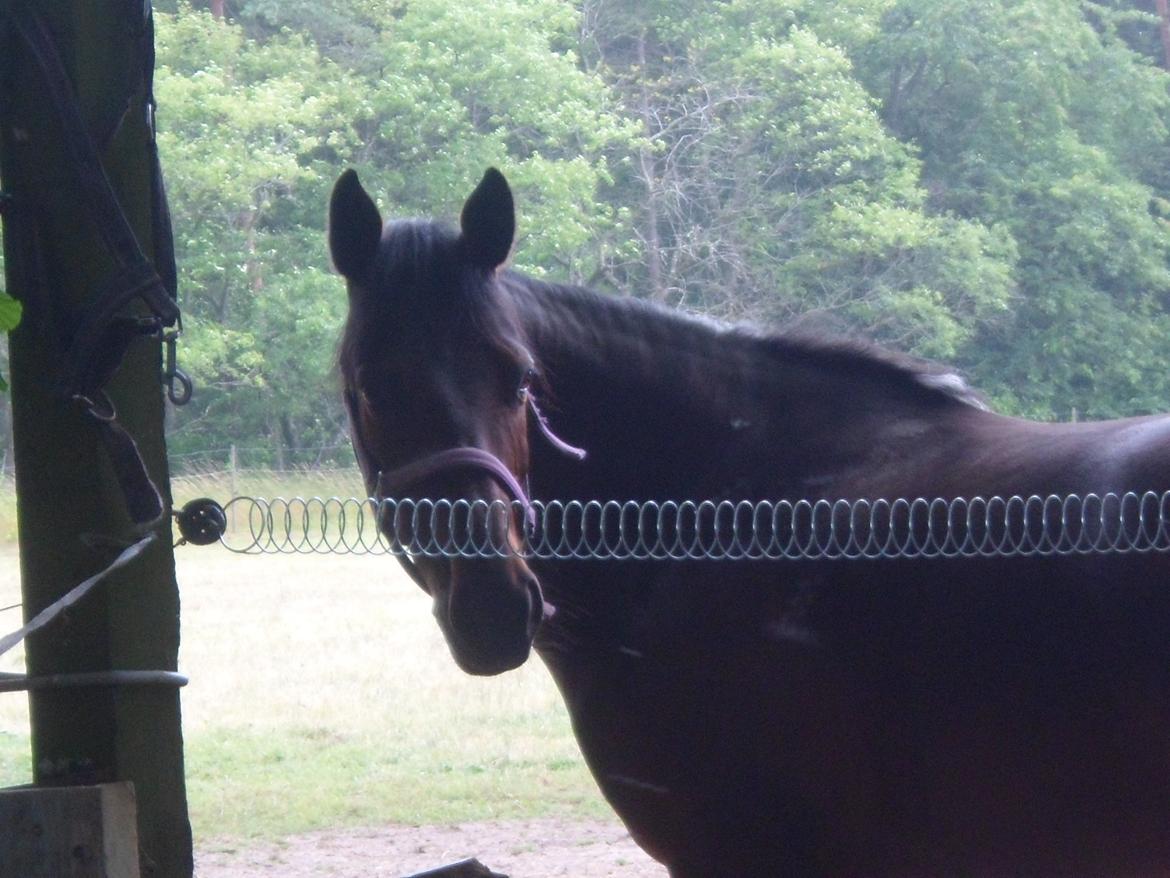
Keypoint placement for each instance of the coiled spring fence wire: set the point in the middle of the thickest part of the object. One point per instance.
(714, 530)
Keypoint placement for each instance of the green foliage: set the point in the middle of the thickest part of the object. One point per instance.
(257, 121)
(249, 134)
(10, 311)
(987, 183)
(1061, 143)
(776, 192)
(495, 82)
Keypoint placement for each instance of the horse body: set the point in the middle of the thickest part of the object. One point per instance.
(890, 717)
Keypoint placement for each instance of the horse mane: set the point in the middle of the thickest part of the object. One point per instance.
(865, 358)
(563, 310)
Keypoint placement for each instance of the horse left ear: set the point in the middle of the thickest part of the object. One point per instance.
(488, 221)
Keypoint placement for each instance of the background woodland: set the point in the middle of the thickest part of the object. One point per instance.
(985, 182)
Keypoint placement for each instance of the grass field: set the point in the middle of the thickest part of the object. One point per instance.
(323, 695)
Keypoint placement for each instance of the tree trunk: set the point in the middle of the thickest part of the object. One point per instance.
(647, 166)
(277, 436)
(1164, 27)
(71, 507)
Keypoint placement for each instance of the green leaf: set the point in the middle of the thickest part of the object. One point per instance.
(10, 311)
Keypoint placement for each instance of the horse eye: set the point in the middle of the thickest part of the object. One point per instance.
(526, 379)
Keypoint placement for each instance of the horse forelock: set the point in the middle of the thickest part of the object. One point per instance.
(412, 251)
(420, 284)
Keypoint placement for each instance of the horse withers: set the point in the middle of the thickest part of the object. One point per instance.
(889, 717)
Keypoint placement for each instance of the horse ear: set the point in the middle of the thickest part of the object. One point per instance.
(355, 226)
(488, 221)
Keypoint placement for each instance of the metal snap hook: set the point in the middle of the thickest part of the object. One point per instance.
(180, 387)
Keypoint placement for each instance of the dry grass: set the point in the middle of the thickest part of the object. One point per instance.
(323, 695)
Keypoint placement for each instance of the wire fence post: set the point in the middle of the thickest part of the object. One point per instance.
(233, 473)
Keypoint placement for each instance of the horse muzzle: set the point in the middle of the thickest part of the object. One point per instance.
(489, 612)
(488, 608)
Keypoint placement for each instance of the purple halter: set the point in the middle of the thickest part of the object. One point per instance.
(466, 457)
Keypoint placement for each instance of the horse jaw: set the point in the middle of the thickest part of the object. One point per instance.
(489, 613)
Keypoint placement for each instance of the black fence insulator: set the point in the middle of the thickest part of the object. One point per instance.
(201, 522)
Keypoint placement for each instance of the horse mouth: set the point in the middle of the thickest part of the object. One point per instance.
(473, 659)
(490, 626)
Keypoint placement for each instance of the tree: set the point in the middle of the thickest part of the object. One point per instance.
(1035, 135)
(498, 83)
(986, 183)
(249, 134)
(773, 190)
(255, 129)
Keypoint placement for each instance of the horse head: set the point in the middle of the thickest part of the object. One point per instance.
(436, 374)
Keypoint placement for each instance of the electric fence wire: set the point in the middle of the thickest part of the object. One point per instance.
(708, 530)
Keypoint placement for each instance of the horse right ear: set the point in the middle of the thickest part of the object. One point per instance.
(355, 226)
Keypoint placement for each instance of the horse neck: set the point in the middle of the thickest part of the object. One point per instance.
(648, 394)
(670, 407)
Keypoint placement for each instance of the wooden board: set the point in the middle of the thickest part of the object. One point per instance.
(69, 832)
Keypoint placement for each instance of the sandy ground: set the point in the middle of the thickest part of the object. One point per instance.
(519, 849)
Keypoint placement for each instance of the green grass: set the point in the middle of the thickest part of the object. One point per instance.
(14, 756)
(341, 491)
(7, 513)
(323, 695)
(244, 783)
(220, 487)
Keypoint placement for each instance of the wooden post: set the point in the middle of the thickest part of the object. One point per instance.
(71, 508)
(82, 832)
(233, 485)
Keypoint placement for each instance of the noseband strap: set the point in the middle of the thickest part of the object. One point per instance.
(394, 482)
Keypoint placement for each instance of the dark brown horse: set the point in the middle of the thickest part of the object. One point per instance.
(987, 717)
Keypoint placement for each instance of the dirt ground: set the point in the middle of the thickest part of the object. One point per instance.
(520, 849)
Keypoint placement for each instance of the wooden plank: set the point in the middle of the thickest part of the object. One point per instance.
(69, 832)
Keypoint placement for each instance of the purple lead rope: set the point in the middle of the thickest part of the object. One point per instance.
(553, 439)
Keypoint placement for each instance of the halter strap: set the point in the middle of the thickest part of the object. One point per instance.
(397, 480)
(463, 457)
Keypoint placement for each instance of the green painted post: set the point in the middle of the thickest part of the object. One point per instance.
(71, 509)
